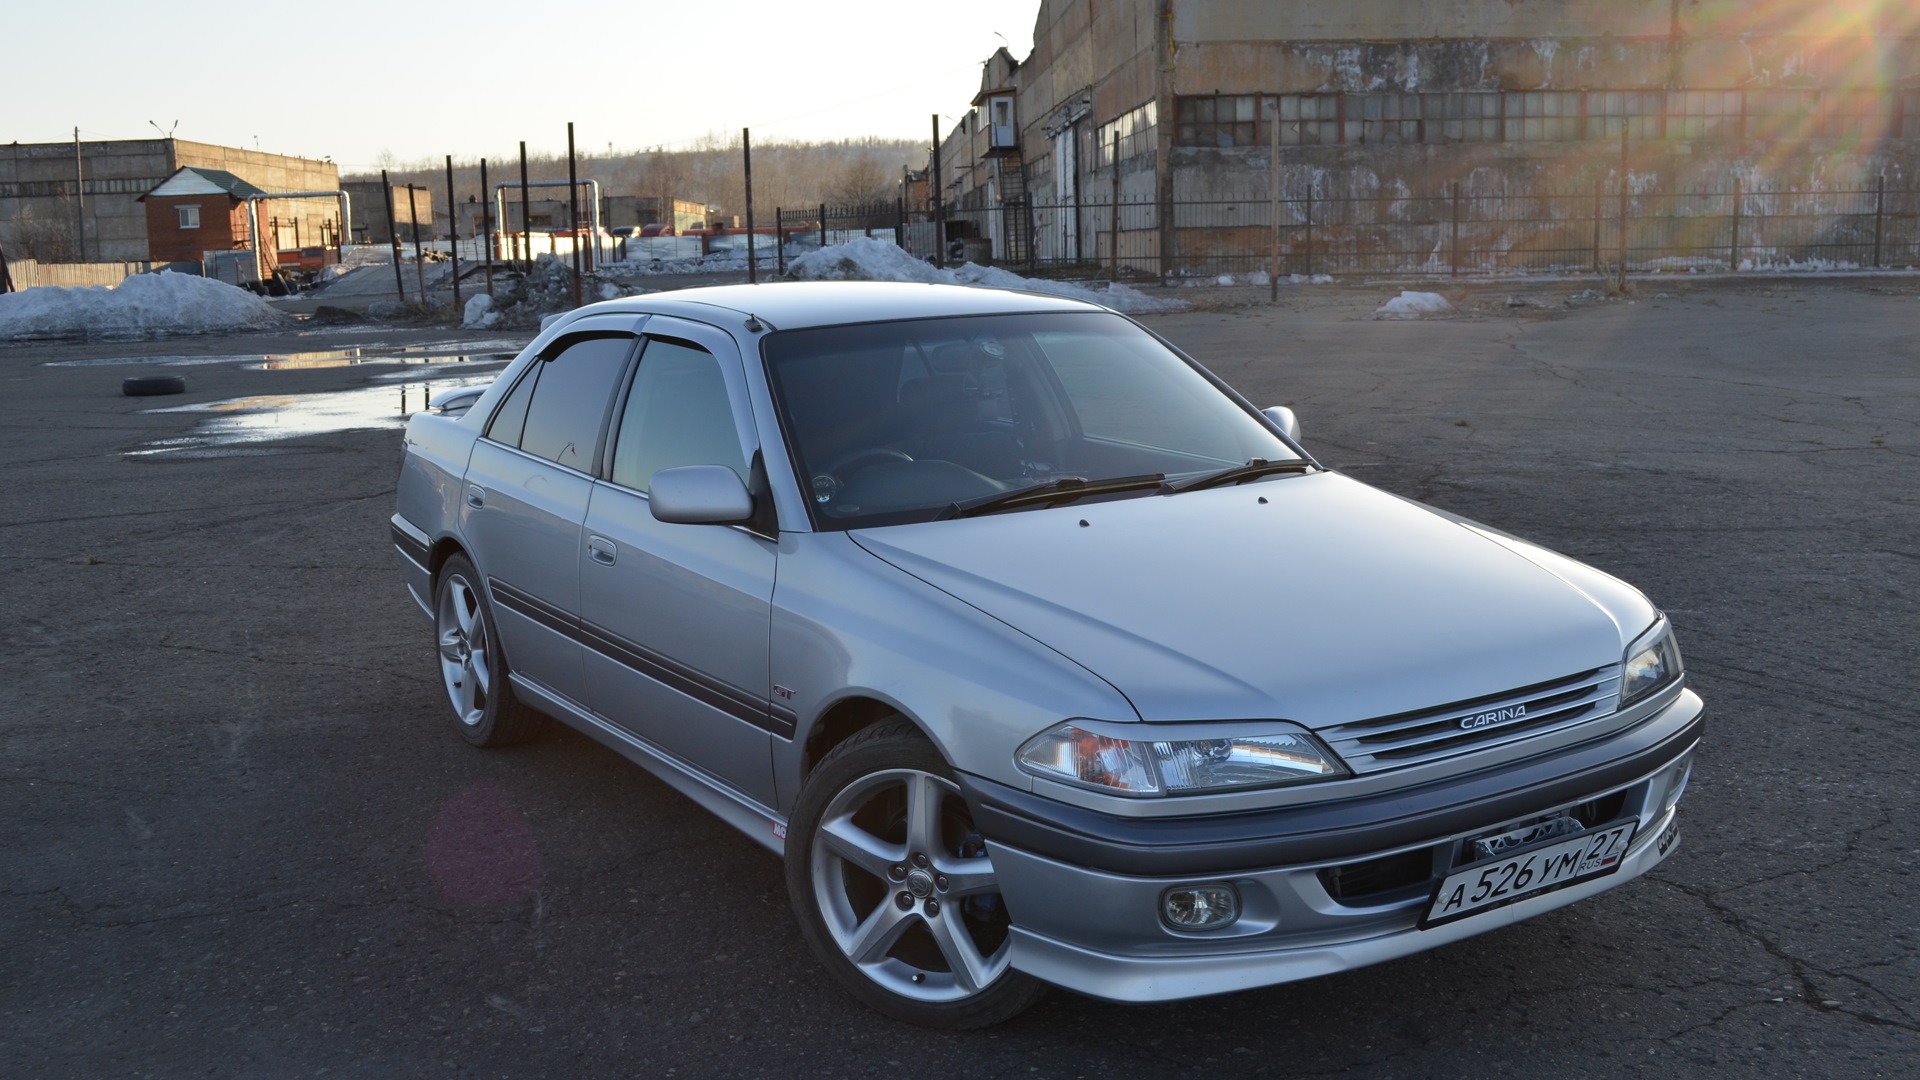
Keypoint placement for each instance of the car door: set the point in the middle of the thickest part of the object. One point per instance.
(526, 493)
(677, 617)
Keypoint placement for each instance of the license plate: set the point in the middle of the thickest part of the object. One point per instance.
(1502, 880)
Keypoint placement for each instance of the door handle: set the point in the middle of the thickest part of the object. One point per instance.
(476, 496)
(601, 550)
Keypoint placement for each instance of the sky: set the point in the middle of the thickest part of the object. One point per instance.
(366, 83)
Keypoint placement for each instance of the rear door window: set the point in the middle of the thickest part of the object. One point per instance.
(570, 401)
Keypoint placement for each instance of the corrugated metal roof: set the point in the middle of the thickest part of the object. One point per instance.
(190, 180)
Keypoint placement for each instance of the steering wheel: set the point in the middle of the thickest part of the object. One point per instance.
(846, 465)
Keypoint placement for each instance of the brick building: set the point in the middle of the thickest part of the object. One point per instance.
(195, 211)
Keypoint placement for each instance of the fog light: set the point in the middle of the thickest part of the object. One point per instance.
(1676, 777)
(1200, 907)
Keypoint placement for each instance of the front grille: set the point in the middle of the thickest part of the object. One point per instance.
(1377, 880)
(1412, 738)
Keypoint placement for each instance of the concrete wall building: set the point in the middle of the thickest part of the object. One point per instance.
(370, 211)
(40, 184)
(1190, 100)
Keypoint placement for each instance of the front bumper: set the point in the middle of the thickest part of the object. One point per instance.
(1085, 892)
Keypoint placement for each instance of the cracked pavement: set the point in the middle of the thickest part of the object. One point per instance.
(239, 838)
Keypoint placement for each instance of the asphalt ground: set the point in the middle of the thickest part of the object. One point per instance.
(239, 838)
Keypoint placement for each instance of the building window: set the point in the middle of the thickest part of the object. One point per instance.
(1135, 131)
(1468, 117)
(1640, 113)
(1704, 114)
(1543, 116)
(1382, 118)
(1309, 120)
(189, 217)
(1218, 121)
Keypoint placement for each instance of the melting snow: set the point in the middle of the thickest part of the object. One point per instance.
(1414, 305)
(864, 259)
(142, 304)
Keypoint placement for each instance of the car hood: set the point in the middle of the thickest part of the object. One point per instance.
(1310, 598)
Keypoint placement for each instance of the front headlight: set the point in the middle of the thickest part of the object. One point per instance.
(1652, 664)
(1215, 757)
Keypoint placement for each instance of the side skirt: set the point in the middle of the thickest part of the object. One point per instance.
(758, 822)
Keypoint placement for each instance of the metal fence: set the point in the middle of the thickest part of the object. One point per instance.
(1458, 232)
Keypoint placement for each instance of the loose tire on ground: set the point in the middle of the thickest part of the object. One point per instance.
(893, 888)
(473, 667)
(153, 385)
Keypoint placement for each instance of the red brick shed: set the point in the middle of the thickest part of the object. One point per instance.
(195, 211)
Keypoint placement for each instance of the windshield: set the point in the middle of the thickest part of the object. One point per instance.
(898, 422)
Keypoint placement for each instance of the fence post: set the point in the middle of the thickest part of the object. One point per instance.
(1624, 178)
(486, 221)
(1453, 243)
(1879, 216)
(1273, 201)
(1309, 208)
(453, 233)
(780, 239)
(900, 222)
(393, 239)
(1599, 192)
(746, 158)
(1733, 251)
(1113, 230)
(823, 225)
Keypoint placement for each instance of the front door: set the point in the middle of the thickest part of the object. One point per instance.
(677, 617)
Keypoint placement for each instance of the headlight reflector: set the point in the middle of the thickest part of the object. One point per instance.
(1250, 757)
(1652, 663)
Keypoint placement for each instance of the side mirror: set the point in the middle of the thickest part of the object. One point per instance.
(1284, 419)
(699, 495)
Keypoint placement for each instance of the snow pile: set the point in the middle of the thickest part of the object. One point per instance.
(143, 304)
(479, 313)
(1414, 305)
(866, 259)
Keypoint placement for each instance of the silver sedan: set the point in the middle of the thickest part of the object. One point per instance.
(1041, 656)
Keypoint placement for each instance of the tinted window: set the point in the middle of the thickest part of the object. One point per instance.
(563, 420)
(676, 414)
(512, 417)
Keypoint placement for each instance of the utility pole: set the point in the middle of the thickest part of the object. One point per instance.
(573, 213)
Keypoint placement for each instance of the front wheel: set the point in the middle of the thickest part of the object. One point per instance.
(893, 887)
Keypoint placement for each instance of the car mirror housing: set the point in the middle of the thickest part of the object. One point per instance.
(1283, 419)
(700, 495)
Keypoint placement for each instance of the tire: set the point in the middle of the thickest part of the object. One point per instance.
(473, 668)
(893, 888)
(153, 385)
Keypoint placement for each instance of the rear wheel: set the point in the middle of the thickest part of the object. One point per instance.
(893, 887)
(472, 667)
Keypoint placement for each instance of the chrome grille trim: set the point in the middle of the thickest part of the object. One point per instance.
(1414, 738)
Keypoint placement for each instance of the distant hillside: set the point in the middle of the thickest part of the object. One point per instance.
(790, 175)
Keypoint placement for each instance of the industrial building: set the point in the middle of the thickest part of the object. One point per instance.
(79, 201)
(1177, 111)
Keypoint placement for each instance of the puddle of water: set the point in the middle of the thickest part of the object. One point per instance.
(447, 352)
(268, 417)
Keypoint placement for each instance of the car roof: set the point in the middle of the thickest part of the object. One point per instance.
(790, 305)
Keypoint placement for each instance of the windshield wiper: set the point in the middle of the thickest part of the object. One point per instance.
(1255, 467)
(1063, 490)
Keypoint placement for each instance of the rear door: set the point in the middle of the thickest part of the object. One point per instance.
(526, 493)
(677, 617)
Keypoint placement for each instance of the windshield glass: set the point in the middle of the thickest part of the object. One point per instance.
(896, 422)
